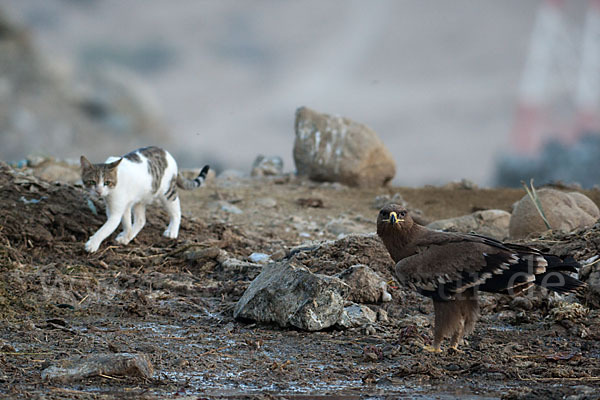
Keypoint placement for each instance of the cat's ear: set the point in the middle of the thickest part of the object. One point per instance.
(85, 163)
(114, 164)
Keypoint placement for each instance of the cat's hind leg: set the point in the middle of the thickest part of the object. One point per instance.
(139, 218)
(125, 236)
(174, 210)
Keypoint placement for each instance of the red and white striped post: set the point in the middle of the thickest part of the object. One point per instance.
(587, 94)
(531, 119)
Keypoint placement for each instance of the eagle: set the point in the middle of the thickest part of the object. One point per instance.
(452, 267)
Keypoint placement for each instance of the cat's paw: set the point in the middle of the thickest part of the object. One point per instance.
(122, 238)
(170, 234)
(91, 246)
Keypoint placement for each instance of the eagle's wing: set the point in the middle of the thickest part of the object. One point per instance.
(443, 264)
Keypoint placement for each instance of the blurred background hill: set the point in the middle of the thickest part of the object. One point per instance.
(219, 81)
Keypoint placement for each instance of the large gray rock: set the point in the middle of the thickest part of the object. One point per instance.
(336, 149)
(493, 223)
(288, 294)
(564, 211)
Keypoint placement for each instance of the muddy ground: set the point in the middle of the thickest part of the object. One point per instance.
(172, 300)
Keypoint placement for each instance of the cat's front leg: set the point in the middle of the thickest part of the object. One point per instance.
(92, 245)
(109, 227)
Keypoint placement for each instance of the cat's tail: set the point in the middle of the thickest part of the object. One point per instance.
(190, 184)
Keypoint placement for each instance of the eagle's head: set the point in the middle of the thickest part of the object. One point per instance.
(393, 219)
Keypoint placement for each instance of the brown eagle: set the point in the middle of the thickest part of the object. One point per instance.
(451, 267)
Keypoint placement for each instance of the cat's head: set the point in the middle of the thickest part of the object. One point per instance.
(100, 179)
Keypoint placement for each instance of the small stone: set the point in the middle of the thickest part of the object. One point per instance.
(367, 286)
(356, 315)
(522, 303)
(343, 226)
(493, 223)
(383, 200)
(225, 206)
(278, 255)
(260, 258)
(231, 174)
(266, 202)
(382, 315)
(119, 364)
(57, 173)
(267, 166)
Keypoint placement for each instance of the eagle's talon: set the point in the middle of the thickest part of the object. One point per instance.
(432, 349)
(454, 349)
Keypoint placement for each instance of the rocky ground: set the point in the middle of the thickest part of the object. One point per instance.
(157, 315)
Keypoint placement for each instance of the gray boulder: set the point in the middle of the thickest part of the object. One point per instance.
(335, 149)
(288, 294)
(564, 211)
(492, 223)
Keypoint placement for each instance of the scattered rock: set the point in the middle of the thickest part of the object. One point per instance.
(119, 364)
(267, 166)
(564, 211)
(462, 184)
(202, 255)
(259, 258)
(590, 274)
(493, 223)
(222, 205)
(383, 200)
(356, 315)
(288, 294)
(344, 226)
(266, 202)
(522, 303)
(336, 149)
(57, 172)
(231, 174)
(366, 285)
(382, 315)
(311, 202)
(563, 310)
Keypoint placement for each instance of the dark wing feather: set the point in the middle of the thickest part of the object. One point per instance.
(444, 264)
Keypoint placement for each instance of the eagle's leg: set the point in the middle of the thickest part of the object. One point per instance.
(457, 337)
(448, 320)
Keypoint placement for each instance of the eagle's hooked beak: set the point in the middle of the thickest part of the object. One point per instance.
(394, 218)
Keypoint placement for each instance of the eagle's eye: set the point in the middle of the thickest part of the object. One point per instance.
(403, 213)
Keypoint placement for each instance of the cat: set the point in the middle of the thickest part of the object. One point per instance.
(129, 183)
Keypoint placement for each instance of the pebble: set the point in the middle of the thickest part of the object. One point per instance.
(259, 258)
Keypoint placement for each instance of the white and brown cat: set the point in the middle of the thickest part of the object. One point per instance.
(129, 183)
